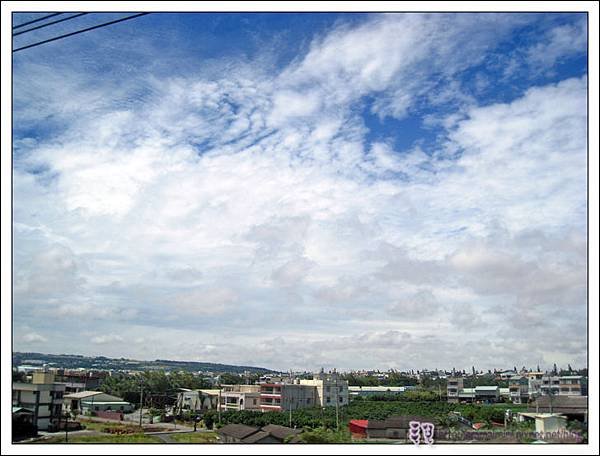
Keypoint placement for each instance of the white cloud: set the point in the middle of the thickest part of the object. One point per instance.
(107, 339)
(34, 338)
(215, 203)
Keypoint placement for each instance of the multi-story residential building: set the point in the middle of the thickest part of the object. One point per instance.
(286, 396)
(565, 385)
(323, 390)
(240, 397)
(534, 380)
(43, 397)
(518, 388)
(453, 388)
(330, 388)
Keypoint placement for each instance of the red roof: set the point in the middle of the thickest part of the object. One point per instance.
(360, 423)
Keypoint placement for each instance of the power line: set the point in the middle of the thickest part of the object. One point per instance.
(36, 20)
(79, 31)
(49, 23)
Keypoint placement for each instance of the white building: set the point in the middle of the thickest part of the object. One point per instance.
(87, 402)
(372, 390)
(197, 400)
(323, 390)
(330, 388)
(239, 397)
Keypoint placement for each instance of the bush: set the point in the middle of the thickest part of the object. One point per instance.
(322, 435)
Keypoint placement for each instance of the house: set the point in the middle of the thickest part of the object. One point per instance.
(197, 400)
(240, 433)
(487, 393)
(240, 397)
(22, 424)
(282, 433)
(518, 388)
(454, 385)
(358, 428)
(43, 397)
(86, 402)
(396, 427)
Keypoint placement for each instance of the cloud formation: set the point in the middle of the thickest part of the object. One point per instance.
(252, 216)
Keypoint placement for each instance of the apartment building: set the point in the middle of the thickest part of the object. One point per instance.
(43, 397)
(240, 397)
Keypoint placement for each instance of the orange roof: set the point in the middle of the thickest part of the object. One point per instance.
(360, 423)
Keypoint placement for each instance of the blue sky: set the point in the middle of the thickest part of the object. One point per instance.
(304, 190)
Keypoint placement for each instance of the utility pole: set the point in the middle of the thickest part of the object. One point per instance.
(67, 428)
(337, 404)
(141, 402)
(219, 407)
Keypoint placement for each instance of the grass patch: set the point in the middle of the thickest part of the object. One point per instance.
(128, 438)
(195, 437)
(111, 428)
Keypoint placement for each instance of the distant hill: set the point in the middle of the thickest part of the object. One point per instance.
(102, 362)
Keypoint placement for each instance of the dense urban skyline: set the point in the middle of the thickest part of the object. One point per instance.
(304, 190)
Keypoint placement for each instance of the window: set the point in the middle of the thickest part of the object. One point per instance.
(341, 399)
(328, 399)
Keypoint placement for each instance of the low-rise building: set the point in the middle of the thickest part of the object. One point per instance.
(43, 397)
(197, 400)
(487, 393)
(88, 402)
(240, 433)
(376, 390)
(397, 427)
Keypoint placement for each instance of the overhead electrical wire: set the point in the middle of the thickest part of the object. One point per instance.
(79, 31)
(36, 20)
(48, 24)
